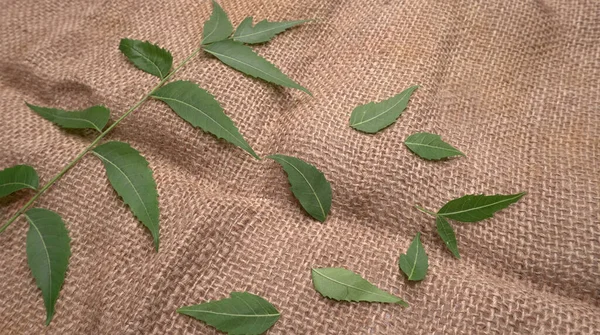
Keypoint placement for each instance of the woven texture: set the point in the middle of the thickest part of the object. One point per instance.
(513, 84)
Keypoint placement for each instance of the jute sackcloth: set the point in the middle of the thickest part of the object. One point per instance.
(513, 84)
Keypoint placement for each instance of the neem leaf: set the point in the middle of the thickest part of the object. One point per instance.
(446, 232)
(415, 262)
(199, 108)
(262, 31)
(344, 285)
(243, 313)
(243, 59)
(130, 176)
(473, 208)
(17, 178)
(48, 253)
(147, 57)
(218, 27)
(308, 185)
(95, 117)
(372, 117)
(430, 146)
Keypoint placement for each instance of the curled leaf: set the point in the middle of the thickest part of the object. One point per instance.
(473, 208)
(95, 117)
(374, 116)
(262, 31)
(243, 313)
(217, 27)
(430, 146)
(200, 109)
(17, 178)
(309, 185)
(415, 262)
(344, 285)
(130, 176)
(243, 59)
(147, 57)
(48, 253)
(446, 232)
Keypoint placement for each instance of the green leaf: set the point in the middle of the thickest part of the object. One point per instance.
(218, 27)
(243, 313)
(308, 185)
(147, 57)
(17, 178)
(414, 263)
(372, 117)
(430, 146)
(130, 176)
(95, 117)
(200, 109)
(48, 253)
(473, 208)
(243, 59)
(344, 285)
(262, 31)
(446, 232)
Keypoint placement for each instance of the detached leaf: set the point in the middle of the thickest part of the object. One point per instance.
(446, 232)
(243, 313)
(308, 185)
(147, 57)
(243, 59)
(372, 117)
(48, 253)
(415, 262)
(473, 208)
(262, 31)
(130, 176)
(218, 27)
(430, 146)
(200, 109)
(17, 178)
(345, 285)
(95, 117)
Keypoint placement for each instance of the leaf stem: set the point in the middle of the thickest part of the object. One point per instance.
(95, 142)
(425, 210)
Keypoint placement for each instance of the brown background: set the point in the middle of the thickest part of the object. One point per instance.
(513, 84)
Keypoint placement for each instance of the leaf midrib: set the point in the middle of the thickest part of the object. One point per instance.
(47, 254)
(239, 61)
(17, 183)
(431, 146)
(480, 207)
(281, 24)
(132, 186)
(76, 119)
(383, 113)
(354, 287)
(216, 26)
(309, 185)
(229, 314)
(412, 271)
(201, 111)
(148, 59)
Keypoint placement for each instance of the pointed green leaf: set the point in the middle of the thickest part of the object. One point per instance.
(218, 27)
(243, 59)
(344, 285)
(130, 176)
(430, 146)
(17, 178)
(308, 185)
(243, 313)
(200, 109)
(415, 262)
(473, 208)
(95, 117)
(147, 57)
(48, 253)
(262, 31)
(446, 232)
(372, 117)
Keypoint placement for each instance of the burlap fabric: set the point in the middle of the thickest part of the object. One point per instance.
(514, 84)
